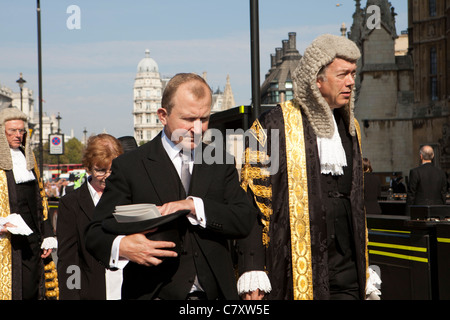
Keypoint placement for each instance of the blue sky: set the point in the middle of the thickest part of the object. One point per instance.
(88, 74)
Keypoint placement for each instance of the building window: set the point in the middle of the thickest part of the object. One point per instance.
(434, 89)
(288, 84)
(289, 95)
(433, 75)
(274, 97)
(432, 7)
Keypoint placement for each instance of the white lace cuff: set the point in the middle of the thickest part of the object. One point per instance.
(373, 283)
(49, 243)
(252, 280)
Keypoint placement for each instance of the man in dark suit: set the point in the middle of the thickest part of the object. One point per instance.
(201, 266)
(427, 183)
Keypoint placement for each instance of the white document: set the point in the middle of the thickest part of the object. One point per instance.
(20, 228)
(136, 212)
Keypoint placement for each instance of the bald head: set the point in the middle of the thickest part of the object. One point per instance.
(426, 153)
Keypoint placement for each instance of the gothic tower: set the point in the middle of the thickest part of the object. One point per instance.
(384, 99)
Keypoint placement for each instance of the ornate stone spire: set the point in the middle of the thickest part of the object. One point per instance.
(228, 97)
(359, 29)
(387, 15)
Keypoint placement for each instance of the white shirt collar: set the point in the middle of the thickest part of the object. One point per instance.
(171, 148)
(94, 195)
(173, 151)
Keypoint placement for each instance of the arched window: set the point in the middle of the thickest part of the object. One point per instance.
(433, 75)
(432, 8)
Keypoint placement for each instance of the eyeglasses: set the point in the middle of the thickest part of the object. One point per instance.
(16, 131)
(101, 172)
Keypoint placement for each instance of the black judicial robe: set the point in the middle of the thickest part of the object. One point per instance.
(269, 246)
(26, 200)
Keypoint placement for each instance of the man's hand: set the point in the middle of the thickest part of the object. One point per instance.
(139, 249)
(6, 225)
(175, 206)
(46, 253)
(254, 295)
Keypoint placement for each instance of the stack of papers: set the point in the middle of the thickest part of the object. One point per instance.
(136, 212)
(20, 226)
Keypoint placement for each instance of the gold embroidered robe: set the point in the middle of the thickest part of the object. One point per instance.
(49, 276)
(289, 240)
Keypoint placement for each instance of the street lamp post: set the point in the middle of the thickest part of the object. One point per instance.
(59, 119)
(41, 147)
(21, 81)
(85, 136)
(254, 42)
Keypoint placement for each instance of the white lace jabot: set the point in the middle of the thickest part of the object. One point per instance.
(332, 154)
(21, 173)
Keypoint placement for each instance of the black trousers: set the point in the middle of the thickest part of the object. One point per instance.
(29, 245)
(31, 266)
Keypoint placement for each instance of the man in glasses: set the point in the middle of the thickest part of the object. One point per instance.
(22, 193)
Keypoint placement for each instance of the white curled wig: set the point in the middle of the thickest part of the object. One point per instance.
(319, 54)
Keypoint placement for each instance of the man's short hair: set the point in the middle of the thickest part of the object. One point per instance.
(198, 88)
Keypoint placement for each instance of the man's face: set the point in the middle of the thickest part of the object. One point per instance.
(338, 85)
(189, 117)
(14, 130)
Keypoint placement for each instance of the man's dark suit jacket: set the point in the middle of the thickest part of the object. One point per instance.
(74, 214)
(427, 186)
(147, 175)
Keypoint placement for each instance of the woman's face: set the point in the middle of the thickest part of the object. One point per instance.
(99, 175)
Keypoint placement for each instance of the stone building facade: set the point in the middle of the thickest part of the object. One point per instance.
(402, 87)
(277, 86)
(384, 91)
(429, 30)
(147, 92)
(402, 94)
